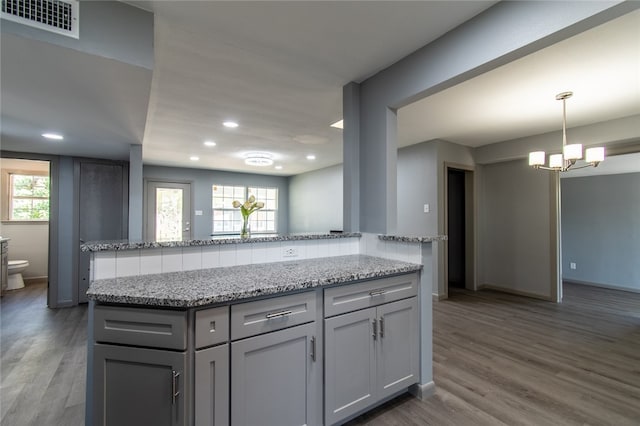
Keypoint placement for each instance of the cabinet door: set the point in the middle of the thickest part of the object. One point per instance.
(397, 348)
(274, 378)
(212, 386)
(136, 386)
(350, 367)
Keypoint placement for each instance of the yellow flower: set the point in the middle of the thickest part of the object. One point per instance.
(236, 204)
(259, 205)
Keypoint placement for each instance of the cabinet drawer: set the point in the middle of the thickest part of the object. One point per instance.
(350, 297)
(212, 326)
(140, 327)
(262, 316)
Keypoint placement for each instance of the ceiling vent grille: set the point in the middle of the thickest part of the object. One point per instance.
(60, 17)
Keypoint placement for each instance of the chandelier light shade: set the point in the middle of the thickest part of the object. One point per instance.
(571, 153)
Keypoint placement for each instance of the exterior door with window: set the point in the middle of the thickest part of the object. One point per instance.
(168, 211)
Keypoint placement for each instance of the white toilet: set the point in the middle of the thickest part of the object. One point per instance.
(16, 267)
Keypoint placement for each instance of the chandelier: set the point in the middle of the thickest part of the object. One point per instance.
(570, 153)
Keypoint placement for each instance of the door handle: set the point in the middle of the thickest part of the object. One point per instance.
(174, 386)
(381, 320)
(374, 324)
(313, 348)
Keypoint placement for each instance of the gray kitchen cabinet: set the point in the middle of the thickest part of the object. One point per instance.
(138, 386)
(370, 354)
(212, 386)
(275, 377)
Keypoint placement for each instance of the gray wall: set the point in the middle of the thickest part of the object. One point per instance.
(202, 181)
(315, 200)
(601, 230)
(417, 186)
(516, 245)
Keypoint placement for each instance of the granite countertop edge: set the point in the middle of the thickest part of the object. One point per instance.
(189, 289)
(412, 239)
(95, 246)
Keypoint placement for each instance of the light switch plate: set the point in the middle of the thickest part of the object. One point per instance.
(426, 208)
(198, 212)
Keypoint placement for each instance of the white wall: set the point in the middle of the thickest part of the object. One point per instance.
(315, 201)
(29, 241)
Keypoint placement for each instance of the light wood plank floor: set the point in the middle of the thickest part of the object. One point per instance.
(498, 359)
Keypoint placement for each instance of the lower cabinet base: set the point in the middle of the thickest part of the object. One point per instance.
(423, 392)
(372, 407)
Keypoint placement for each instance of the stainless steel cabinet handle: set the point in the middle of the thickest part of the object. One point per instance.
(278, 314)
(313, 348)
(381, 320)
(377, 292)
(174, 386)
(374, 334)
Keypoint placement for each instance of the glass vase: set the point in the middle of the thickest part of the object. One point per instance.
(245, 232)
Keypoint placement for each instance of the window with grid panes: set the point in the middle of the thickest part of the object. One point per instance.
(228, 220)
(28, 197)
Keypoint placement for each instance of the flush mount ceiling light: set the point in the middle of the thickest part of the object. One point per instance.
(230, 124)
(338, 124)
(53, 136)
(260, 159)
(278, 167)
(311, 157)
(194, 158)
(570, 153)
(209, 143)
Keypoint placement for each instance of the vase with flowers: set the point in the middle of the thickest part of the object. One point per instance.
(246, 208)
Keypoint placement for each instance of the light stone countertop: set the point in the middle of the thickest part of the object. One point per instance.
(95, 246)
(412, 239)
(218, 285)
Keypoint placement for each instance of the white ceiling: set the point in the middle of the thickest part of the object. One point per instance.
(600, 66)
(278, 69)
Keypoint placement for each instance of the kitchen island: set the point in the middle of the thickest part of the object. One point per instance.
(310, 341)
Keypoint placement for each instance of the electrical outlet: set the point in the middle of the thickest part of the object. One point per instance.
(289, 252)
(426, 208)
(572, 265)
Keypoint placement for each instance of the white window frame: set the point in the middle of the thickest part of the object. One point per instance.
(232, 218)
(8, 214)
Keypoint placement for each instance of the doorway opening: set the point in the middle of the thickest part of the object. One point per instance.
(459, 228)
(168, 211)
(26, 194)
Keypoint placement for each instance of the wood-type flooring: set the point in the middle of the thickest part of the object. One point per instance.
(499, 359)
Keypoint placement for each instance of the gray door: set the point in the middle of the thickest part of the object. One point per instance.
(350, 366)
(397, 348)
(136, 386)
(212, 386)
(102, 206)
(274, 379)
(168, 211)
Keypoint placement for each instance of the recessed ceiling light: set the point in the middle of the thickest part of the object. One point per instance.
(209, 143)
(311, 157)
(278, 167)
(194, 158)
(230, 124)
(260, 159)
(338, 124)
(53, 136)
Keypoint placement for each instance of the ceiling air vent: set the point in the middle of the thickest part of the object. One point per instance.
(60, 17)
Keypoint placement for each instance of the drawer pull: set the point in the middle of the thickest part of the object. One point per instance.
(278, 314)
(313, 349)
(381, 321)
(174, 386)
(377, 292)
